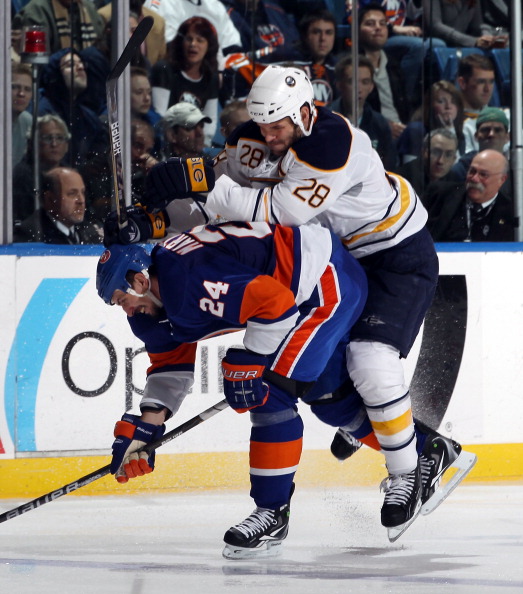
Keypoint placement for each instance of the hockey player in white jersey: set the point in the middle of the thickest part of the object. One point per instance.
(295, 163)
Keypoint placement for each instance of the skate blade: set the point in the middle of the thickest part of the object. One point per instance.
(395, 532)
(463, 465)
(270, 548)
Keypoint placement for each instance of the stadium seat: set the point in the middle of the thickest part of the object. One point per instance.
(501, 59)
(340, 13)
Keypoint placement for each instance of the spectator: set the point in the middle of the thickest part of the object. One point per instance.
(154, 47)
(231, 116)
(442, 107)
(492, 132)
(16, 39)
(370, 121)
(274, 29)
(317, 41)
(21, 119)
(437, 157)
(477, 211)
(56, 16)
(405, 43)
(142, 159)
(476, 79)
(190, 72)
(268, 31)
(61, 218)
(175, 12)
(97, 60)
(141, 102)
(388, 96)
(64, 90)
(458, 22)
(53, 144)
(183, 131)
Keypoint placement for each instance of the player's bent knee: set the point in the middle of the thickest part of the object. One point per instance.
(377, 371)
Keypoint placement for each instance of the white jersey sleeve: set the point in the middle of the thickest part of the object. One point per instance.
(333, 177)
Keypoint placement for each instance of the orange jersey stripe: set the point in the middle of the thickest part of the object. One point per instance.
(284, 243)
(182, 355)
(265, 298)
(303, 333)
(275, 455)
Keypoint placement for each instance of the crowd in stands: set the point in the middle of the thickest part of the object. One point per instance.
(448, 134)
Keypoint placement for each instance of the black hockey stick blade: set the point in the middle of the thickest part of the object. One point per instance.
(101, 472)
(135, 41)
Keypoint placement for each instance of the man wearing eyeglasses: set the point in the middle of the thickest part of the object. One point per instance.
(492, 132)
(477, 210)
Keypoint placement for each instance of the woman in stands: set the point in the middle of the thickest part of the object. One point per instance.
(190, 72)
(442, 107)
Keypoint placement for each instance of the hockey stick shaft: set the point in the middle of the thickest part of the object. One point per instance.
(101, 472)
(124, 60)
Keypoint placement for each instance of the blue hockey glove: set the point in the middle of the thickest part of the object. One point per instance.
(174, 179)
(140, 227)
(131, 434)
(243, 383)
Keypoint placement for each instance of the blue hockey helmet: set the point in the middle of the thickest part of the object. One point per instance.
(113, 266)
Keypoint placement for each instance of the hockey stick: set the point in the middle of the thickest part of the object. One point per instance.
(101, 472)
(135, 41)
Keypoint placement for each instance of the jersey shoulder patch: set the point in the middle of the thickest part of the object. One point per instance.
(329, 144)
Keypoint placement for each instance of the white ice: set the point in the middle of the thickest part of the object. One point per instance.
(171, 543)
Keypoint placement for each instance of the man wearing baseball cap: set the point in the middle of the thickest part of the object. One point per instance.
(183, 130)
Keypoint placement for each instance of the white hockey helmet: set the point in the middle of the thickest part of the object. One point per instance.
(279, 93)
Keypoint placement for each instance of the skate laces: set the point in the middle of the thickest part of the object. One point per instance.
(426, 465)
(258, 521)
(398, 488)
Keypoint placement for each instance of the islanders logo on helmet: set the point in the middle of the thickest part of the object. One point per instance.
(279, 93)
(113, 266)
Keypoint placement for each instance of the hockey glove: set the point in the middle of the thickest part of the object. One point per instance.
(243, 383)
(131, 434)
(140, 227)
(177, 178)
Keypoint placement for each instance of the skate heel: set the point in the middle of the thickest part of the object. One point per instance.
(463, 464)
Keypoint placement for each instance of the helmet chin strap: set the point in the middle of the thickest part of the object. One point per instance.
(147, 293)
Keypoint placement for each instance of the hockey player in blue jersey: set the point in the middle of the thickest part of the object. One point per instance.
(296, 163)
(295, 291)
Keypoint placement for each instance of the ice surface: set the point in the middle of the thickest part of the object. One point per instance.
(171, 543)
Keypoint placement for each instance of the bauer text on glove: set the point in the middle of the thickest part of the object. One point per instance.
(243, 383)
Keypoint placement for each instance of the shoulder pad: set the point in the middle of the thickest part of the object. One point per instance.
(248, 129)
(329, 144)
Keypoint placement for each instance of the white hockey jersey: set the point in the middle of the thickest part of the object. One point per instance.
(333, 177)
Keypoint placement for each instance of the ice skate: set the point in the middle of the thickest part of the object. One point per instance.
(259, 535)
(438, 456)
(402, 502)
(343, 445)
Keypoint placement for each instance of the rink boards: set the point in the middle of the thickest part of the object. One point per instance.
(70, 366)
